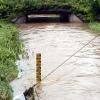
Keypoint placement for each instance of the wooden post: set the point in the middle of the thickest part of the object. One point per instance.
(38, 67)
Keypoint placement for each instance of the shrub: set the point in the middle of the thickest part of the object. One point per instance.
(5, 91)
(10, 48)
(95, 27)
(86, 9)
(8, 72)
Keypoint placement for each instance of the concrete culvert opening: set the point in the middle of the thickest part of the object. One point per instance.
(48, 15)
(47, 18)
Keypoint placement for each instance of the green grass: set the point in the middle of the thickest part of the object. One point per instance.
(10, 48)
(95, 27)
(5, 91)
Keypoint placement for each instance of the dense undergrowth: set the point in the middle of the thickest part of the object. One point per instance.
(10, 48)
(88, 10)
(95, 27)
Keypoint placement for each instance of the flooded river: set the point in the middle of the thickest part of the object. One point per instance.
(77, 79)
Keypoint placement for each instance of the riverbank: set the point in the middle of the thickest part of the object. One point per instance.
(95, 27)
(10, 48)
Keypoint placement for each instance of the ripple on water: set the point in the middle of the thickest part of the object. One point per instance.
(77, 79)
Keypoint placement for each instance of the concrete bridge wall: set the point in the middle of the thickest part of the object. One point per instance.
(65, 16)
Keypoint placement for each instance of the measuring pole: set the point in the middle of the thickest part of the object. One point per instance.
(38, 67)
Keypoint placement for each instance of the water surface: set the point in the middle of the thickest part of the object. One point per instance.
(77, 79)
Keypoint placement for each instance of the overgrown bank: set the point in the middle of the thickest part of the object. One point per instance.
(87, 10)
(95, 27)
(10, 48)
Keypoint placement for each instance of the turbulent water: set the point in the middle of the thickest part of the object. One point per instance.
(76, 79)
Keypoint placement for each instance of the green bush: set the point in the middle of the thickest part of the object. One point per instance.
(86, 9)
(5, 91)
(9, 38)
(8, 72)
(95, 27)
(10, 48)
(5, 53)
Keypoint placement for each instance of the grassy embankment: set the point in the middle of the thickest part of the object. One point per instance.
(95, 27)
(10, 48)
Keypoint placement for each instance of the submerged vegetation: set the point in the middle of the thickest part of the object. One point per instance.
(10, 48)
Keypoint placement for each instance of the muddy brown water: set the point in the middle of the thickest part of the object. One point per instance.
(77, 79)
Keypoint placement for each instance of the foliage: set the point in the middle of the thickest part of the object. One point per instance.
(5, 91)
(86, 9)
(10, 48)
(95, 27)
(96, 9)
(9, 38)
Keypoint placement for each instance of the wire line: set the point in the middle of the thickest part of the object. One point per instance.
(64, 62)
(67, 59)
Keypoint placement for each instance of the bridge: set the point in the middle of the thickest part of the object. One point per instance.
(80, 7)
(65, 15)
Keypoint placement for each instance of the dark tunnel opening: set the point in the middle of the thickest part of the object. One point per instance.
(47, 18)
